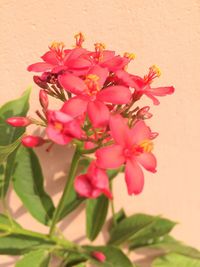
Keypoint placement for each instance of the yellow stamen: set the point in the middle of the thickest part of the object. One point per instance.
(57, 45)
(80, 38)
(92, 77)
(58, 126)
(147, 145)
(130, 56)
(99, 46)
(155, 69)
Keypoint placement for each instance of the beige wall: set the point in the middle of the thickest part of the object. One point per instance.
(162, 32)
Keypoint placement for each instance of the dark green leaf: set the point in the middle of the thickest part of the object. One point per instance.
(74, 259)
(9, 135)
(28, 184)
(37, 258)
(114, 257)
(96, 212)
(158, 228)
(120, 216)
(129, 227)
(175, 260)
(5, 151)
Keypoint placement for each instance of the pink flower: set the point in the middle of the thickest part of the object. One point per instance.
(59, 59)
(62, 128)
(133, 148)
(94, 183)
(98, 255)
(142, 86)
(90, 96)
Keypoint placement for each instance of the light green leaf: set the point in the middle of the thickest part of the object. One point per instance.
(4, 220)
(96, 213)
(28, 184)
(37, 258)
(158, 228)
(175, 260)
(5, 151)
(114, 257)
(8, 136)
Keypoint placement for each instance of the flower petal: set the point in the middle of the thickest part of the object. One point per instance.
(119, 129)
(51, 58)
(110, 157)
(148, 161)
(115, 63)
(98, 113)
(56, 136)
(75, 106)
(72, 83)
(102, 73)
(115, 95)
(134, 177)
(140, 132)
(162, 91)
(83, 186)
(40, 67)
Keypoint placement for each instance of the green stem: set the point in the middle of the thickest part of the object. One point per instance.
(66, 192)
(112, 206)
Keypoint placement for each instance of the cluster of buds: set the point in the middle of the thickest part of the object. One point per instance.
(98, 109)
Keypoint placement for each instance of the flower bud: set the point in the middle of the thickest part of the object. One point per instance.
(153, 135)
(99, 256)
(144, 113)
(18, 121)
(43, 97)
(32, 141)
(40, 82)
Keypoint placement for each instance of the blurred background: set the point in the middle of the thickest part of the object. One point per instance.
(166, 33)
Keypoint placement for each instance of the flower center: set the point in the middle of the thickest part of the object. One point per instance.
(58, 126)
(144, 146)
(130, 56)
(92, 84)
(154, 72)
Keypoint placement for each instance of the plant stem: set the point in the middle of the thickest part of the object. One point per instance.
(67, 190)
(112, 206)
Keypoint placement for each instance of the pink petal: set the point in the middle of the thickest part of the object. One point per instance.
(79, 63)
(140, 132)
(98, 113)
(72, 83)
(51, 58)
(148, 161)
(110, 157)
(115, 95)
(83, 186)
(153, 98)
(56, 136)
(102, 73)
(126, 79)
(40, 67)
(134, 178)
(74, 54)
(162, 91)
(119, 129)
(115, 63)
(75, 106)
(73, 129)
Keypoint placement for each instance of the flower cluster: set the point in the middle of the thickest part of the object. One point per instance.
(98, 111)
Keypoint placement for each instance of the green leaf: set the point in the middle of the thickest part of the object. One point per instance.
(28, 184)
(169, 244)
(126, 229)
(5, 151)
(148, 234)
(114, 257)
(37, 258)
(74, 200)
(120, 216)
(17, 244)
(8, 135)
(4, 220)
(175, 260)
(74, 259)
(96, 213)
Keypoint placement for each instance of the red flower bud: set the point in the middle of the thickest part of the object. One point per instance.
(44, 102)
(99, 256)
(32, 141)
(40, 82)
(18, 121)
